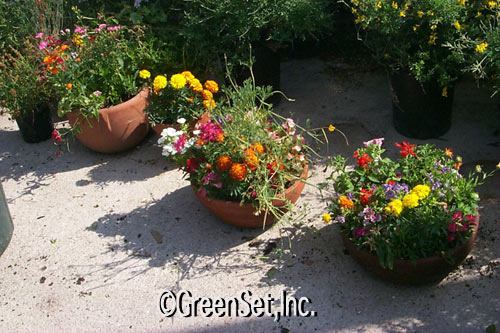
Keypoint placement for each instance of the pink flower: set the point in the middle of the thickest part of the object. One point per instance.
(469, 217)
(180, 143)
(80, 30)
(97, 93)
(203, 192)
(254, 194)
(377, 142)
(452, 227)
(58, 154)
(218, 185)
(39, 35)
(42, 78)
(43, 44)
(463, 228)
(457, 216)
(56, 136)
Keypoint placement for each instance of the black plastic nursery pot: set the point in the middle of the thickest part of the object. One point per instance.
(420, 111)
(36, 126)
(6, 226)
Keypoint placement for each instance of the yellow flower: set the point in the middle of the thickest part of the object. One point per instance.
(481, 47)
(434, 27)
(77, 40)
(410, 200)
(395, 207)
(327, 218)
(402, 13)
(457, 25)
(430, 13)
(188, 76)
(394, 5)
(462, 2)
(492, 4)
(144, 74)
(359, 19)
(331, 128)
(444, 93)
(420, 14)
(355, 2)
(159, 82)
(422, 191)
(432, 39)
(415, 27)
(379, 4)
(178, 81)
(196, 86)
(209, 104)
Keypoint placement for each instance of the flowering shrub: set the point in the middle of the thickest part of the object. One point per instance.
(415, 207)
(410, 35)
(183, 96)
(92, 68)
(243, 153)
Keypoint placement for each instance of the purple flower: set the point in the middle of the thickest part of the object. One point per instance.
(350, 196)
(377, 142)
(340, 219)
(360, 232)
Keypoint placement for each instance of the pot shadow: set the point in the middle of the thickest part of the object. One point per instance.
(175, 231)
(318, 267)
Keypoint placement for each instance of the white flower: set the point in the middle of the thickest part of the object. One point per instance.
(296, 149)
(162, 139)
(196, 132)
(169, 132)
(181, 120)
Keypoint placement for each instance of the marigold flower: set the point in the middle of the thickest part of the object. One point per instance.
(251, 159)
(410, 200)
(144, 74)
(327, 218)
(77, 40)
(207, 94)
(209, 104)
(344, 202)
(69, 85)
(188, 76)
(178, 81)
(212, 86)
(258, 148)
(224, 163)
(159, 82)
(196, 86)
(422, 191)
(395, 207)
(238, 171)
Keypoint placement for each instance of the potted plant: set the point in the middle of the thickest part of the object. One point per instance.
(409, 38)
(211, 29)
(95, 72)
(246, 164)
(410, 220)
(183, 96)
(24, 92)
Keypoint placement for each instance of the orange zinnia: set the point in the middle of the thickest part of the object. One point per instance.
(238, 171)
(224, 163)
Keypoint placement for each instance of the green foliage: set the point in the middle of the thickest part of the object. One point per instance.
(415, 207)
(411, 35)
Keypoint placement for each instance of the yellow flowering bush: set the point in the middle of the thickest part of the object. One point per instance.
(182, 96)
(410, 36)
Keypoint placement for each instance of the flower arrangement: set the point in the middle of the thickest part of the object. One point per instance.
(183, 96)
(94, 67)
(415, 207)
(245, 153)
(411, 36)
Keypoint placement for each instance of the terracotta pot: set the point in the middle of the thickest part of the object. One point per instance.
(158, 128)
(243, 215)
(425, 271)
(117, 128)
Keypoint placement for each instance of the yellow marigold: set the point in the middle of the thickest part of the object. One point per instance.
(422, 191)
(224, 163)
(395, 207)
(207, 94)
(196, 86)
(481, 47)
(410, 200)
(178, 81)
(144, 74)
(258, 148)
(327, 217)
(212, 86)
(159, 82)
(209, 104)
(188, 76)
(238, 171)
(344, 202)
(251, 159)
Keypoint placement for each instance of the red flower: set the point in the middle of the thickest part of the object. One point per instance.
(56, 136)
(365, 196)
(406, 149)
(192, 165)
(362, 160)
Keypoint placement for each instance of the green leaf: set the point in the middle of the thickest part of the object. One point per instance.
(373, 179)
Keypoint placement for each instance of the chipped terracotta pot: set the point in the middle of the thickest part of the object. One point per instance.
(243, 215)
(425, 271)
(117, 129)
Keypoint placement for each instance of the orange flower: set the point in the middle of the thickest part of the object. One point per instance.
(220, 137)
(188, 76)
(207, 94)
(209, 104)
(190, 99)
(448, 152)
(238, 171)
(78, 59)
(64, 47)
(69, 85)
(224, 163)
(458, 165)
(199, 142)
(212, 86)
(54, 70)
(196, 86)
(344, 202)
(258, 148)
(48, 60)
(251, 159)
(208, 166)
